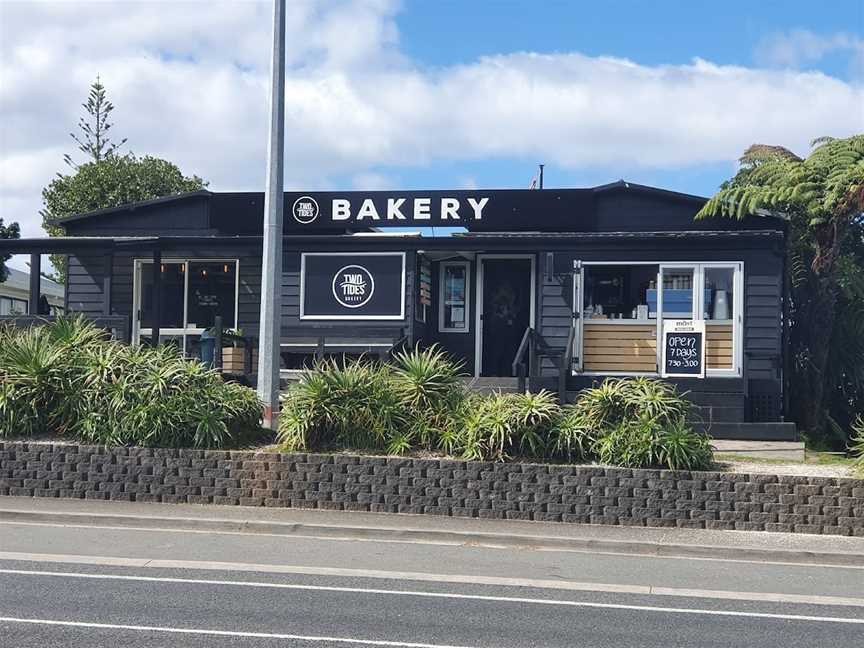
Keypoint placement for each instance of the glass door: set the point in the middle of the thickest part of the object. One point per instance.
(677, 295)
(711, 292)
(193, 293)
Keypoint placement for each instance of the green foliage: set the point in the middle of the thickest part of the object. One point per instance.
(411, 403)
(823, 196)
(856, 442)
(10, 231)
(418, 402)
(499, 426)
(633, 422)
(113, 181)
(67, 378)
(94, 140)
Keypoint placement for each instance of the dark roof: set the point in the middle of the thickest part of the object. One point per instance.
(620, 185)
(632, 186)
(457, 241)
(131, 206)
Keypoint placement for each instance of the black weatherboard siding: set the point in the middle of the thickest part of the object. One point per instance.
(620, 222)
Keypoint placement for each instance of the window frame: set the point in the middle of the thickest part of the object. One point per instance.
(443, 265)
(138, 331)
(699, 268)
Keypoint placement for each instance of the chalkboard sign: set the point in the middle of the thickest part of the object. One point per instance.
(683, 348)
(356, 286)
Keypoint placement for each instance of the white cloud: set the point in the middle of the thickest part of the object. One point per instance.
(189, 82)
(799, 47)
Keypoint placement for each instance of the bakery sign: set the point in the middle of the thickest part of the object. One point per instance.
(357, 286)
(395, 210)
(504, 209)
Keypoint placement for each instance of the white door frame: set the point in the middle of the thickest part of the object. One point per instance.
(478, 309)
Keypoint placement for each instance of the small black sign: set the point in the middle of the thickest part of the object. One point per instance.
(355, 286)
(684, 348)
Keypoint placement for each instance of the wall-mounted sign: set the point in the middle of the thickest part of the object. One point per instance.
(477, 210)
(683, 349)
(358, 286)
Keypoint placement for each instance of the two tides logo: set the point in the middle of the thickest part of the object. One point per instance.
(353, 286)
(305, 210)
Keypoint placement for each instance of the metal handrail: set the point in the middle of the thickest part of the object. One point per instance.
(566, 362)
(520, 370)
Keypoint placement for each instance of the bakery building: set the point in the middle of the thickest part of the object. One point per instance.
(551, 288)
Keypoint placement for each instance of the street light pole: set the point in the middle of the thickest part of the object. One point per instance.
(271, 267)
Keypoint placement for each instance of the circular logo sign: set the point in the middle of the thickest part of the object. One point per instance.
(305, 210)
(353, 286)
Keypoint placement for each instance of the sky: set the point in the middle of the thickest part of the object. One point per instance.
(430, 94)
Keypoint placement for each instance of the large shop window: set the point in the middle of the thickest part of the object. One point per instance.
(193, 293)
(620, 306)
(454, 297)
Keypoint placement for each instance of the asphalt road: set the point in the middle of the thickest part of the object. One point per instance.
(84, 586)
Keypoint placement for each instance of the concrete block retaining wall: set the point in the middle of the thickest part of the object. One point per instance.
(548, 493)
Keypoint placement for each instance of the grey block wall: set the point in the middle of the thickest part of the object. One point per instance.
(549, 493)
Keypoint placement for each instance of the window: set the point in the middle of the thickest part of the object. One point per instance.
(619, 332)
(12, 306)
(193, 293)
(620, 292)
(454, 297)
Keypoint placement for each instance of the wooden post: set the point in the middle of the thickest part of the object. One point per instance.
(35, 283)
(157, 295)
(217, 343)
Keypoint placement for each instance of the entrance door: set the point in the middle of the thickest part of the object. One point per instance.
(505, 310)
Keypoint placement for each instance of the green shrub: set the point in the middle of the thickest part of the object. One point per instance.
(412, 403)
(419, 401)
(571, 438)
(633, 422)
(67, 378)
(856, 441)
(499, 426)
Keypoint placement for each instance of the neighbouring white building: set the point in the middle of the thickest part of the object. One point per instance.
(15, 294)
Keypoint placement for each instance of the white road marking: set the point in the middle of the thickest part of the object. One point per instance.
(531, 543)
(226, 633)
(584, 587)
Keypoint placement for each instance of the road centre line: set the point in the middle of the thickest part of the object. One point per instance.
(486, 544)
(226, 633)
(582, 587)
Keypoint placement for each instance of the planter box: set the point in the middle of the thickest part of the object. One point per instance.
(234, 360)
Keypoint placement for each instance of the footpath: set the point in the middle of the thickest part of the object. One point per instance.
(790, 548)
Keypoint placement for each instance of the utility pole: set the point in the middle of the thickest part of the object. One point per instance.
(271, 267)
(541, 175)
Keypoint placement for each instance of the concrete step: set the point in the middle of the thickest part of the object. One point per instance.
(718, 414)
(793, 450)
(716, 399)
(751, 431)
(488, 385)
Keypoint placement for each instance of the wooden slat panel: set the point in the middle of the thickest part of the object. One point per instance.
(620, 347)
(608, 326)
(629, 366)
(718, 346)
(621, 358)
(619, 335)
(617, 342)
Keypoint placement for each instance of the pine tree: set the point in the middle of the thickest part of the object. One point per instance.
(95, 141)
